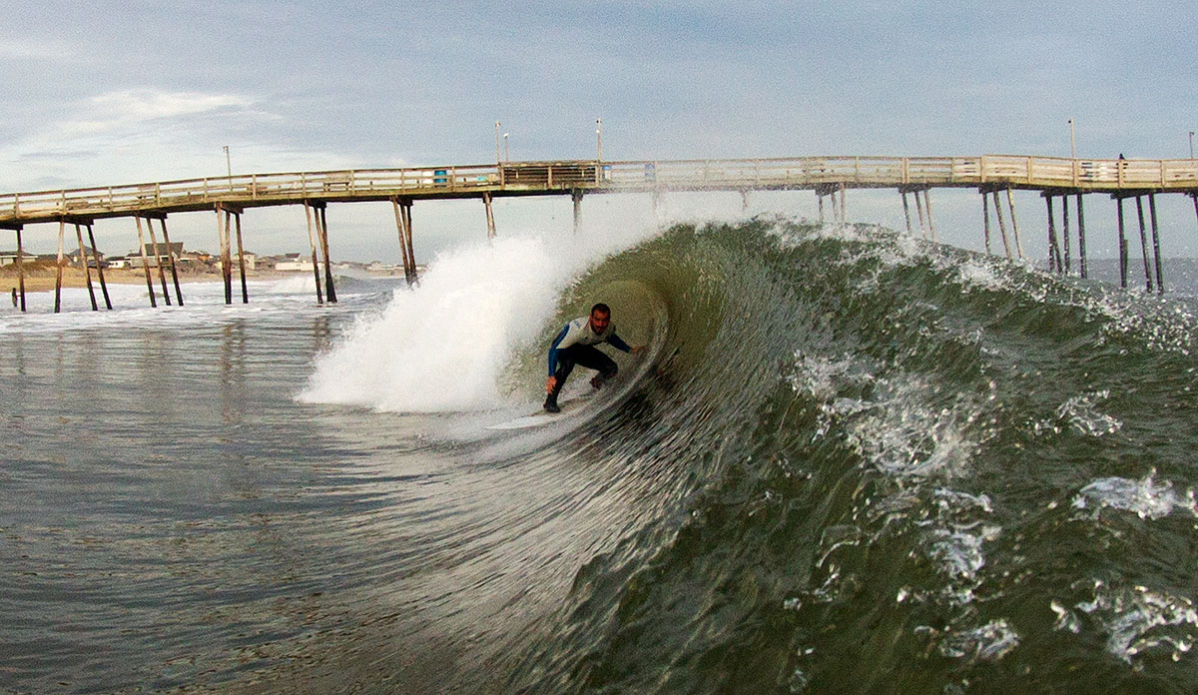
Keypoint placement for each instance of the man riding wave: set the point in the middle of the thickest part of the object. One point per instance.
(575, 345)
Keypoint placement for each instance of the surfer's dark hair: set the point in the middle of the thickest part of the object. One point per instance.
(601, 308)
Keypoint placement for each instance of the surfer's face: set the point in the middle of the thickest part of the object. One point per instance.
(599, 321)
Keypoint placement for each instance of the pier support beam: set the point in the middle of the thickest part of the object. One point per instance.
(21, 266)
(490, 217)
(1156, 245)
(986, 219)
(1065, 234)
(322, 230)
(245, 293)
(166, 295)
(1144, 243)
(1002, 226)
(1054, 252)
(166, 238)
(228, 217)
(145, 262)
(62, 223)
(923, 227)
(91, 237)
(907, 212)
(576, 196)
(1122, 245)
(401, 227)
(87, 271)
(927, 204)
(1081, 238)
(315, 258)
(1014, 223)
(226, 260)
(403, 221)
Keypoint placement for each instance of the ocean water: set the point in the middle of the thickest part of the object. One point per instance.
(849, 461)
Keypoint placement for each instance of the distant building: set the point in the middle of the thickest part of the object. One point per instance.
(93, 257)
(10, 257)
(293, 262)
(164, 253)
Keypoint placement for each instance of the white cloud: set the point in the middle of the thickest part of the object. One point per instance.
(114, 111)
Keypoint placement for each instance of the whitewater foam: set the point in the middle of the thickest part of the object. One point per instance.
(444, 346)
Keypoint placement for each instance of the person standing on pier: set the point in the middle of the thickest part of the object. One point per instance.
(575, 345)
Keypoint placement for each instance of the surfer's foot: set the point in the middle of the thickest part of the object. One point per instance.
(597, 382)
(551, 405)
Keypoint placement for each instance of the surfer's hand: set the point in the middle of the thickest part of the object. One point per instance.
(550, 384)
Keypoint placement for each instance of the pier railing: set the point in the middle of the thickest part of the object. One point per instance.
(531, 178)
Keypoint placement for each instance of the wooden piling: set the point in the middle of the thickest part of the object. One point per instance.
(166, 237)
(226, 260)
(245, 293)
(490, 218)
(1053, 252)
(1081, 238)
(1122, 246)
(145, 262)
(315, 260)
(166, 295)
(1192, 195)
(401, 227)
(985, 218)
(844, 218)
(1144, 243)
(1002, 226)
(923, 227)
(1156, 245)
(62, 223)
(1065, 233)
(87, 271)
(576, 196)
(20, 267)
(927, 204)
(906, 211)
(1014, 223)
(322, 226)
(820, 197)
(406, 209)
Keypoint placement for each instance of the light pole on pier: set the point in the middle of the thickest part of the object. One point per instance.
(506, 155)
(1072, 140)
(228, 164)
(599, 137)
(1191, 146)
(497, 159)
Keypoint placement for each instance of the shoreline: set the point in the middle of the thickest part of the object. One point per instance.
(43, 280)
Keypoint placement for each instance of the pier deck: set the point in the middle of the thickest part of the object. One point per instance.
(993, 172)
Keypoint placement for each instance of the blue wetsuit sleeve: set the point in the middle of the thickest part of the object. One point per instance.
(614, 341)
(553, 348)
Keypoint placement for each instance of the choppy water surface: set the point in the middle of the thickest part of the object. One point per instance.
(851, 462)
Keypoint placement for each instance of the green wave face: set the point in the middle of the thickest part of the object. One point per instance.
(866, 464)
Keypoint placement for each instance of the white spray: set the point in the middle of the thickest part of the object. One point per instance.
(443, 346)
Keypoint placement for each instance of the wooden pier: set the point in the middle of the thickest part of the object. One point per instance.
(828, 177)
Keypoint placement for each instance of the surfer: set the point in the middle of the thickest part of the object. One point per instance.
(575, 345)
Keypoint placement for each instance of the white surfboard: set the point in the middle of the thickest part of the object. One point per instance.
(569, 408)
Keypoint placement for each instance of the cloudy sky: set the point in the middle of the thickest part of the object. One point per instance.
(121, 92)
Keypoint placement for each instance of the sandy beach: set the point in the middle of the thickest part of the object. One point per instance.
(41, 279)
